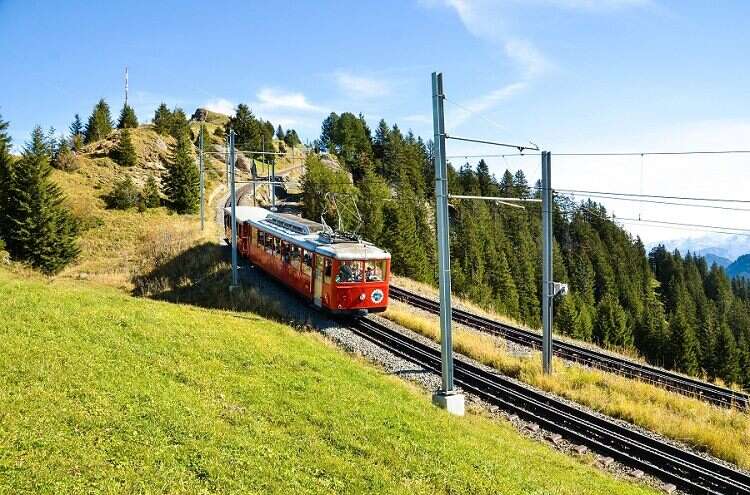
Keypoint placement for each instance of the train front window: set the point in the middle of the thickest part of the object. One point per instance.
(375, 270)
(350, 271)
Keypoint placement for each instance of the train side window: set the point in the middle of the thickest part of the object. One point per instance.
(350, 271)
(327, 270)
(306, 262)
(374, 270)
(276, 246)
(253, 235)
(294, 257)
(285, 251)
(269, 243)
(261, 238)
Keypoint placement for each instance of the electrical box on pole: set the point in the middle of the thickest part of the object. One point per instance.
(234, 209)
(548, 288)
(447, 397)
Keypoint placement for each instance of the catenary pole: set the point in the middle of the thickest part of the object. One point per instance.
(234, 208)
(202, 175)
(547, 281)
(444, 267)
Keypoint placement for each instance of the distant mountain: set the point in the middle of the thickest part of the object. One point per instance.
(724, 246)
(740, 267)
(712, 258)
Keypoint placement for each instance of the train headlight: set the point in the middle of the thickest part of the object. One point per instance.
(362, 297)
(377, 296)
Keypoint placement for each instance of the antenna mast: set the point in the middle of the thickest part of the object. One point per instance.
(126, 85)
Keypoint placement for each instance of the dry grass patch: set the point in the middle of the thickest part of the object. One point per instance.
(722, 432)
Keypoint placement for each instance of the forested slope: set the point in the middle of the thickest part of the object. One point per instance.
(673, 309)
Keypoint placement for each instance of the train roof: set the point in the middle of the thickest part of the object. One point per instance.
(311, 235)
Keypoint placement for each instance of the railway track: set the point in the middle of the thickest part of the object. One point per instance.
(684, 469)
(672, 381)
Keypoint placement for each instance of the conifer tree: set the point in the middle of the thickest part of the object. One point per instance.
(611, 323)
(100, 123)
(684, 343)
(291, 138)
(178, 123)
(181, 183)
(64, 158)
(124, 194)
(124, 154)
(128, 119)
(163, 120)
(728, 368)
(76, 133)
(42, 231)
(373, 195)
(402, 237)
(6, 178)
(279, 133)
(151, 197)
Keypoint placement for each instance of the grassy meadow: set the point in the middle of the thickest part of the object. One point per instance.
(102, 392)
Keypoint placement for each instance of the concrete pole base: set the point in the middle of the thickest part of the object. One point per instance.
(452, 402)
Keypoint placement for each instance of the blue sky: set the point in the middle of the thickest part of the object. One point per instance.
(570, 75)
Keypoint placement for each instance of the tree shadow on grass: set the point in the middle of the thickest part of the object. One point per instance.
(199, 276)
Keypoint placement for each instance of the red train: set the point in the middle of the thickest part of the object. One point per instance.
(341, 274)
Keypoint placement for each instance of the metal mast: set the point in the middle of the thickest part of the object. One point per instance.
(548, 289)
(126, 85)
(202, 177)
(446, 397)
(234, 210)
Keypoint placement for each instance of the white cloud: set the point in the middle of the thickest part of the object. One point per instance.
(357, 86)
(220, 105)
(484, 103)
(528, 56)
(272, 99)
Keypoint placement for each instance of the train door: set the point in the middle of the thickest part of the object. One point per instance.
(318, 281)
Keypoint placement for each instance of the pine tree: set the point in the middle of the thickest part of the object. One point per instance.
(684, 343)
(6, 178)
(279, 133)
(163, 120)
(76, 133)
(611, 323)
(181, 183)
(125, 153)
(728, 368)
(64, 158)
(178, 123)
(128, 119)
(151, 197)
(291, 138)
(373, 195)
(42, 231)
(124, 194)
(100, 123)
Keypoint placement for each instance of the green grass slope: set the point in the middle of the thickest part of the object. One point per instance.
(104, 393)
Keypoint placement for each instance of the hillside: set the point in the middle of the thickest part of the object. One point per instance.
(102, 392)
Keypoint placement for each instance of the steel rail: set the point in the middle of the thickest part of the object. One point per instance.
(685, 469)
(674, 382)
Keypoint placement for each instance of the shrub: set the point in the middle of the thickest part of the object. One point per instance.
(124, 195)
